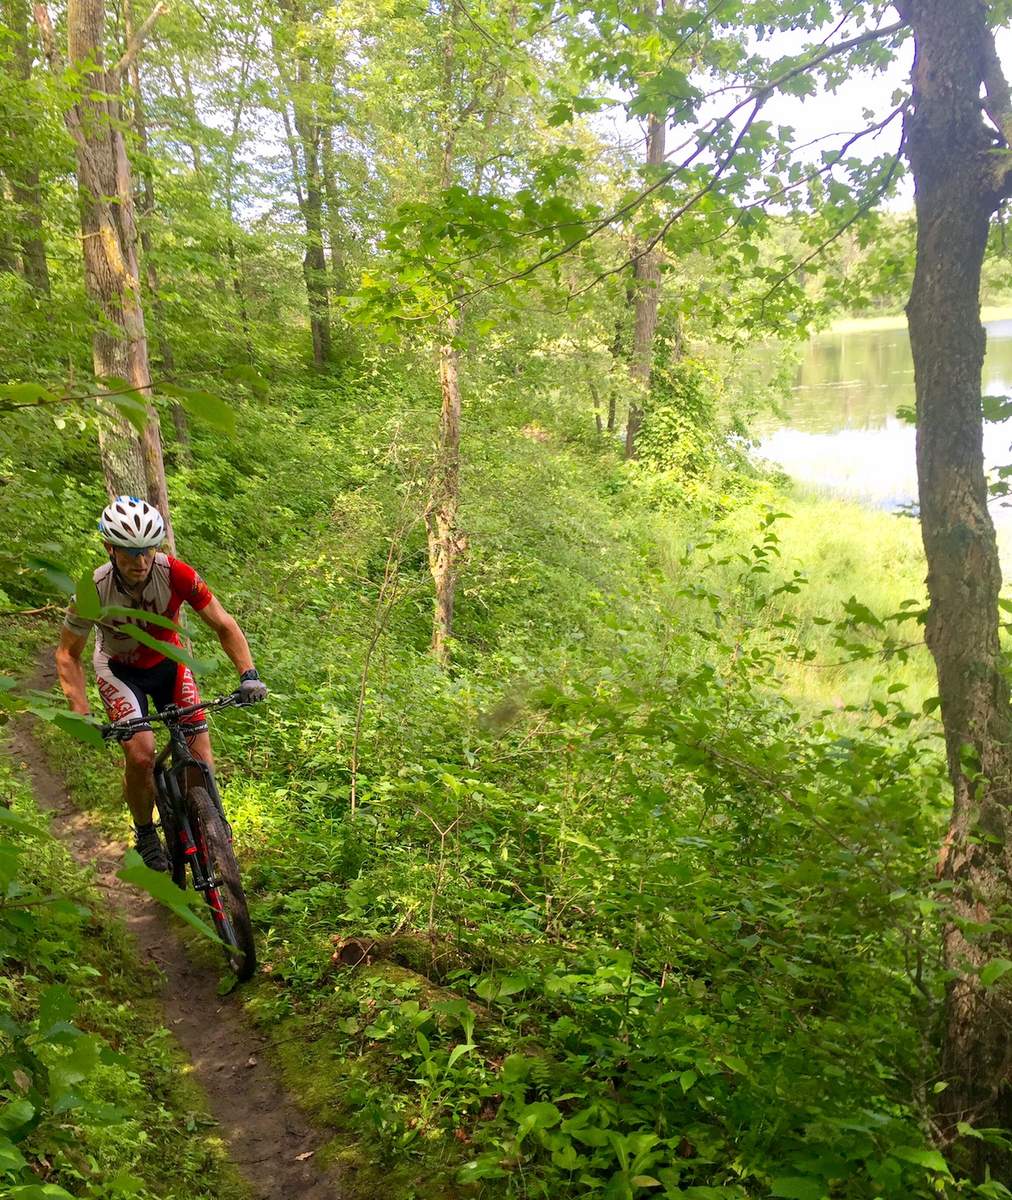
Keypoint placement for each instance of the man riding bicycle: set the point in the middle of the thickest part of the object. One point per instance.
(129, 672)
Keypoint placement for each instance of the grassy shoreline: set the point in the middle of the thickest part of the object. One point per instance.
(988, 312)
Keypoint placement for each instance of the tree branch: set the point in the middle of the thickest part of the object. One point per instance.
(757, 96)
(136, 42)
(866, 204)
(759, 203)
(997, 96)
(682, 209)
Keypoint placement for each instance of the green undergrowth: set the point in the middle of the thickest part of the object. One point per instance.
(98, 1099)
(832, 553)
(645, 896)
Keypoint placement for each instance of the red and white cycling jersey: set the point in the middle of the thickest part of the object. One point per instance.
(126, 670)
(170, 584)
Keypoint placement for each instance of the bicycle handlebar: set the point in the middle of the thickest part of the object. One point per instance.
(171, 715)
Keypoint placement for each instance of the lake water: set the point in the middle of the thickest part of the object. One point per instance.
(840, 431)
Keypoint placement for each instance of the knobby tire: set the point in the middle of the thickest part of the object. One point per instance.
(227, 902)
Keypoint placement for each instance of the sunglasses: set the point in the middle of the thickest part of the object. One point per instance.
(136, 552)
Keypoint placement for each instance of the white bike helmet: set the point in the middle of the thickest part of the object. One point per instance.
(132, 524)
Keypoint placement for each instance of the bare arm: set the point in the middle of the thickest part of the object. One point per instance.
(71, 671)
(233, 640)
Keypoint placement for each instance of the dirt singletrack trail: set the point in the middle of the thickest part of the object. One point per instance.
(269, 1140)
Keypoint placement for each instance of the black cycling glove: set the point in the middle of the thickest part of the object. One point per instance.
(251, 687)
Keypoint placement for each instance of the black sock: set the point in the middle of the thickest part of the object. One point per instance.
(144, 828)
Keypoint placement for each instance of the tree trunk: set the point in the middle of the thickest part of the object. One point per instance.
(109, 238)
(446, 543)
(617, 357)
(314, 263)
(9, 258)
(335, 226)
(445, 540)
(957, 189)
(307, 181)
(235, 263)
(646, 293)
(24, 173)
(147, 195)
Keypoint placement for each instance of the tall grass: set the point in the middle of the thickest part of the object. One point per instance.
(841, 550)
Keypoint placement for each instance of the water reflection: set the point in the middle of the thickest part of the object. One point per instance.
(841, 431)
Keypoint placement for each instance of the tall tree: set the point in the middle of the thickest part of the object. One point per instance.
(961, 173)
(146, 197)
(109, 239)
(21, 164)
(646, 290)
(445, 540)
(302, 95)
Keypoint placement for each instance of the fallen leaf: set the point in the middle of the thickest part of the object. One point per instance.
(251, 1061)
(304, 1155)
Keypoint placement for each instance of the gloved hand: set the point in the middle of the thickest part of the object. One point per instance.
(251, 687)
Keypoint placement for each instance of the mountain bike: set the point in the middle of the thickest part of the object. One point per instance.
(197, 833)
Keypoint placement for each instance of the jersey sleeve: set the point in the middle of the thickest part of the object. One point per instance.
(187, 586)
(81, 626)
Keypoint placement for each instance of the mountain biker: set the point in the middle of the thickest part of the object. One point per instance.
(127, 670)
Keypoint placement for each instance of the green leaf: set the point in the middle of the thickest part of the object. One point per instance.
(994, 970)
(134, 408)
(158, 885)
(86, 601)
(54, 571)
(39, 1191)
(733, 1063)
(11, 1158)
(645, 1181)
(487, 987)
(252, 379)
(211, 409)
(149, 618)
(458, 1051)
(176, 653)
(16, 1115)
(56, 1007)
(931, 1160)
(26, 393)
(539, 1115)
(13, 821)
(796, 1187)
(78, 726)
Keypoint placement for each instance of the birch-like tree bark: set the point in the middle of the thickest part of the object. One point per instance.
(130, 463)
(146, 198)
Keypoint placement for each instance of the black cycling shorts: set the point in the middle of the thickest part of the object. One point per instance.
(125, 690)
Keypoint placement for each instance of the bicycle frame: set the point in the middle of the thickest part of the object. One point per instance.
(193, 834)
(171, 781)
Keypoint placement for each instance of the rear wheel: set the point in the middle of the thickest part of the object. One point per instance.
(224, 893)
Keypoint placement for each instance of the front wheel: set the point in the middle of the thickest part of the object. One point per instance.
(223, 893)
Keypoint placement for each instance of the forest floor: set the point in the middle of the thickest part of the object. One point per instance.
(269, 1140)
